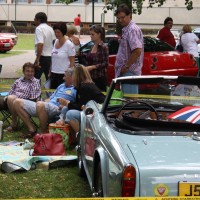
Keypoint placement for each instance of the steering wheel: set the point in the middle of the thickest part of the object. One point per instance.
(151, 108)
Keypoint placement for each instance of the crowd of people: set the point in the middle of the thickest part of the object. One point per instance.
(56, 56)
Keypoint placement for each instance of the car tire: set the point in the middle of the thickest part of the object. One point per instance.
(81, 170)
(98, 187)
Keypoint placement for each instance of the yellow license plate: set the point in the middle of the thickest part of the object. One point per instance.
(189, 189)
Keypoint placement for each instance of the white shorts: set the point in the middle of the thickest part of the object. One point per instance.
(78, 28)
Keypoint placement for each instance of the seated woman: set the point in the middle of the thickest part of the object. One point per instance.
(86, 91)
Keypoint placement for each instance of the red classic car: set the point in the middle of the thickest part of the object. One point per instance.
(10, 35)
(6, 44)
(159, 58)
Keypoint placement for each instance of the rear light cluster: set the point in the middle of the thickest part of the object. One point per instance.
(154, 61)
(128, 181)
(194, 60)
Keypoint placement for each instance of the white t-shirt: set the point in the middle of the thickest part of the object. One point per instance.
(44, 34)
(60, 57)
(189, 43)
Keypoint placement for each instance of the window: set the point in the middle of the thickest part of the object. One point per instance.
(20, 1)
(38, 1)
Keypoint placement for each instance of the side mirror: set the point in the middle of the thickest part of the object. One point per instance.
(89, 111)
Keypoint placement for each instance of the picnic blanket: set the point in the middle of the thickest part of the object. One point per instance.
(13, 158)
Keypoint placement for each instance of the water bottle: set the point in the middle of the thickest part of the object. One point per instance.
(1, 130)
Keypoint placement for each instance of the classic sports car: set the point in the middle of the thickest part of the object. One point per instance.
(6, 44)
(159, 58)
(144, 144)
(10, 35)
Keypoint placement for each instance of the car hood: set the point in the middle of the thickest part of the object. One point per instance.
(163, 162)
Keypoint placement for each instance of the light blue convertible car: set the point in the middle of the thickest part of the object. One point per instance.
(144, 144)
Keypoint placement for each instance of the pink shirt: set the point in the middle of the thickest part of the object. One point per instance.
(132, 38)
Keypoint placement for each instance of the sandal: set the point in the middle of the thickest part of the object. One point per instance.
(28, 134)
(11, 128)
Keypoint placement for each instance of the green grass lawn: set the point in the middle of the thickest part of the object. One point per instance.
(25, 42)
(62, 182)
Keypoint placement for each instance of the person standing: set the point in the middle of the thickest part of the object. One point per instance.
(165, 34)
(77, 24)
(97, 58)
(129, 59)
(63, 55)
(190, 42)
(44, 36)
(71, 30)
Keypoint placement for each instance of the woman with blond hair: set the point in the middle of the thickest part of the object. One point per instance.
(71, 30)
(86, 91)
(189, 42)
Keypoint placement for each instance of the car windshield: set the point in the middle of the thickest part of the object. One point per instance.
(150, 45)
(155, 45)
(162, 104)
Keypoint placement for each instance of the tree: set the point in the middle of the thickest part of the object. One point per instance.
(137, 4)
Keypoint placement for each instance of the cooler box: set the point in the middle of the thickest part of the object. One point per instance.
(64, 130)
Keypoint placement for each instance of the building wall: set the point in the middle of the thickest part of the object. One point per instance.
(150, 17)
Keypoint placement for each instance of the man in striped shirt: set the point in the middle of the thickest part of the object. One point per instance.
(26, 87)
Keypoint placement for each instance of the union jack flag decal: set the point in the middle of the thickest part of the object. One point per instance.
(189, 114)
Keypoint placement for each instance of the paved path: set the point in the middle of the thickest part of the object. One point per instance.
(11, 66)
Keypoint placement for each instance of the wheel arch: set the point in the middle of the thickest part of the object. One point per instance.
(101, 157)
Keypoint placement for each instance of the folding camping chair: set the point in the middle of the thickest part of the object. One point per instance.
(6, 116)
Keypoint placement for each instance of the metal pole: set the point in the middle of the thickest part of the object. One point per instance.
(92, 12)
(15, 11)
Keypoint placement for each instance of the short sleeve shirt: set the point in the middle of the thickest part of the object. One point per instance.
(44, 34)
(60, 57)
(132, 38)
(189, 42)
(26, 89)
(166, 36)
(63, 91)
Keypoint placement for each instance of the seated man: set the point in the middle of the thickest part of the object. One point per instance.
(26, 87)
(45, 110)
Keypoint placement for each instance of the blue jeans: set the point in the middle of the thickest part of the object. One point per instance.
(129, 88)
(73, 115)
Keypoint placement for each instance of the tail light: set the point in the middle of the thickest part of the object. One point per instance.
(194, 60)
(129, 181)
